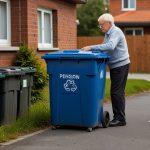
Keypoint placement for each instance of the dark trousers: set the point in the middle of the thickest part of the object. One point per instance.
(118, 78)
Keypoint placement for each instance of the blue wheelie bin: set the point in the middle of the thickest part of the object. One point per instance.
(77, 83)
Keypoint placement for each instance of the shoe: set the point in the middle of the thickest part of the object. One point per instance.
(115, 123)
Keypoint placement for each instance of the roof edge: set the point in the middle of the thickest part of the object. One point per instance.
(132, 23)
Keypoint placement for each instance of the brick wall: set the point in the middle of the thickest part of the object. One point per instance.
(116, 6)
(24, 25)
(18, 22)
(64, 20)
(7, 58)
(143, 5)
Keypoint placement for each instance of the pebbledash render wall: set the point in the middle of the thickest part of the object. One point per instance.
(24, 27)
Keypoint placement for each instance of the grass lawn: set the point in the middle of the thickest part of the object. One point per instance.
(38, 116)
(137, 86)
(134, 86)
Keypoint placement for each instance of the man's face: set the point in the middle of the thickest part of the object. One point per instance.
(104, 25)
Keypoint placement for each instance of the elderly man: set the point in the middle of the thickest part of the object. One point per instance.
(116, 46)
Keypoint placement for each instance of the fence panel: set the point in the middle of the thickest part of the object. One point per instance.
(139, 50)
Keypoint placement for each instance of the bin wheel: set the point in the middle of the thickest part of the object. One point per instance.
(89, 129)
(106, 119)
(53, 127)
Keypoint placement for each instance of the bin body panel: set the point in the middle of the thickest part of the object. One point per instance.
(15, 92)
(8, 99)
(76, 91)
(24, 97)
(65, 105)
(24, 93)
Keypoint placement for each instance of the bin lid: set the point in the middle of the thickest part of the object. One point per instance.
(25, 69)
(75, 54)
(28, 69)
(8, 71)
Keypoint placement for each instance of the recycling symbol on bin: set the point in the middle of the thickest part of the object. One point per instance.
(70, 86)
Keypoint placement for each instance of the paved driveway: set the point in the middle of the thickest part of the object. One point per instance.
(134, 136)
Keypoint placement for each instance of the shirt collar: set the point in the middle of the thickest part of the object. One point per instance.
(111, 28)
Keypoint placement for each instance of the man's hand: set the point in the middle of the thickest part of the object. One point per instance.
(86, 48)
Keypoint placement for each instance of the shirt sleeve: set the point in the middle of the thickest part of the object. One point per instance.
(110, 44)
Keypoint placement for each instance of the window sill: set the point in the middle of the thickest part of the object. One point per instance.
(48, 49)
(128, 9)
(9, 48)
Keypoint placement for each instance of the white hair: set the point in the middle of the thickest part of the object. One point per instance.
(106, 17)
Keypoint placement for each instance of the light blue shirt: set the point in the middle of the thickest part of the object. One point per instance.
(116, 46)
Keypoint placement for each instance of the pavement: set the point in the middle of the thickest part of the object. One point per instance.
(134, 136)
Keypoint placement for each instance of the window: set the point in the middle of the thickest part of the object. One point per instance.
(45, 31)
(134, 31)
(4, 23)
(128, 5)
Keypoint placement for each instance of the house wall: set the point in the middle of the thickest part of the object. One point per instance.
(7, 58)
(24, 26)
(64, 20)
(18, 22)
(115, 6)
(143, 5)
(146, 29)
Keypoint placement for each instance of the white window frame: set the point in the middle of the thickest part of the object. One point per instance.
(129, 7)
(7, 41)
(45, 45)
(134, 29)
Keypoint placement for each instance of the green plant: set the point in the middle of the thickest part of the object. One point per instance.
(39, 113)
(26, 57)
(133, 86)
(87, 15)
(37, 118)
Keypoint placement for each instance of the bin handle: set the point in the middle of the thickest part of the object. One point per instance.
(71, 51)
(67, 58)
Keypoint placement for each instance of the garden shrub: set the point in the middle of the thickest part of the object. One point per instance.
(26, 57)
